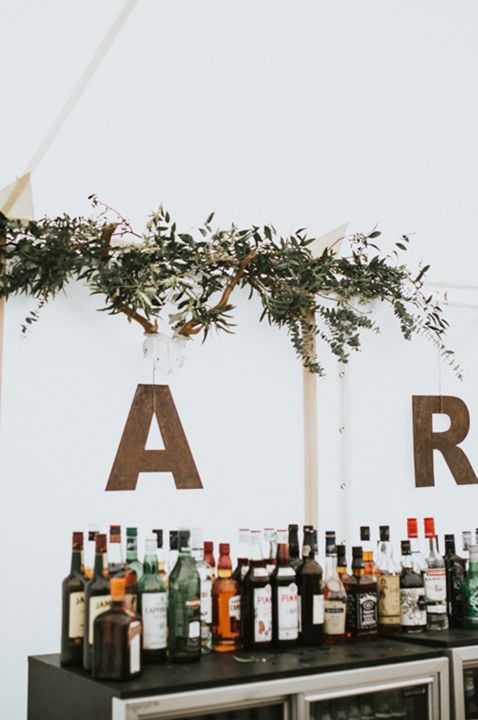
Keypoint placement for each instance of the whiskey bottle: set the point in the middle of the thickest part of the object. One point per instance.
(368, 561)
(153, 606)
(455, 578)
(173, 550)
(413, 614)
(342, 569)
(90, 549)
(73, 607)
(294, 549)
(435, 582)
(470, 589)
(418, 557)
(311, 596)
(184, 605)
(362, 621)
(116, 563)
(270, 542)
(160, 555)
(226, 605)
(243, 556)
(209, 555)
(256, 600)
(335, 597)
(117, 639)
(97, 597)
(205, 574)
(285, 619)
(132, 560)
(388, 585)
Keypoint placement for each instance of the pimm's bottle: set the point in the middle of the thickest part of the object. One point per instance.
(205, 574)
(153, 606)
(97, 597)
(413, 613)
(184, 605)
(335, 597)
(294, 548)
(117, 639)
(471, 589)
(388, 585)
(256, 600)
(455, 577)
(435, 582)
(73, 607)
(362, 620)
(285, 619)
(311, 596)
(226, 605)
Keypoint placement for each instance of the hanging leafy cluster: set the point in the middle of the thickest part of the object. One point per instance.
(145, 276)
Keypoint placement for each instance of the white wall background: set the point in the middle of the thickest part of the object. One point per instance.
(305, 113)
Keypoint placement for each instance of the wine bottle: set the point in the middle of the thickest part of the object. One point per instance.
(184, 605)
(294, 549)
(226, 605)
(153, 606)
(97, 597)
(311, 596)
(73, 607)
(285, 620)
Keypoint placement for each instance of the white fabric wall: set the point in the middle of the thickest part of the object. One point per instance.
(306, 113)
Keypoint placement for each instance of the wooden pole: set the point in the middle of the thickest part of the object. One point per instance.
(311, 493)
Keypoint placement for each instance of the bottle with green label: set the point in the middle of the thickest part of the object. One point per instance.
(184, 605)
(470, 589)
(153, 606)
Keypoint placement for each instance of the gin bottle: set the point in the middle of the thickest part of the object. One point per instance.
(153, 606)
(184, 605)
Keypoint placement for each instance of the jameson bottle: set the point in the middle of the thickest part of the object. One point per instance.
(435, 582)
(412, 594)
(342, 569)
(311, 596)
(455, 578)
(117, 639)
(470, 589)
(256, 600)
(418, 558)
(335, 597)
(285, 619)
(173, 549)
(209, 555)
(115, 553)
(73, 607)
(153, 605)
(294, 549)
(90, 550)
(184, 605)
(270, 542)
(368, 561)
(205, 574)
(243, 556)
(160, 555)
(97, 597)
(226, 605)
(388, 585)
(361, 600)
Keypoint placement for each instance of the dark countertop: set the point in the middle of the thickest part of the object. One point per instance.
(221, 669)
(455, 637)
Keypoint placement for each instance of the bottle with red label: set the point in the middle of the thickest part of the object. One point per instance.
(184, 605)
(256, 600)
(226, 605)
(435, 582)
(418, 559)
(311, 595)
(285, 620)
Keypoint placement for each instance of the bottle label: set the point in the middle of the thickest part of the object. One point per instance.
(260, 572)
(235, 607)
(130, 602)
(194, 629)
(206, 601)
(154, 612)
(388, 593)
(367, 611)
(76, 618)
(263, 614)
(435, 584)
(318, 610)
(98, 604)
(299, 613)
(413, 607)
(134, 642)
(334, 617)
(472, 603)
(288, 628)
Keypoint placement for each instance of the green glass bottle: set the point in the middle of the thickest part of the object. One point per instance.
(470, 589)
(132, 552)
(153, 606)
(184, 605)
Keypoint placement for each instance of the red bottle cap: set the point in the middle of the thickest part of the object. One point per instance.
(412, 528)
(208, 546)
(77, 540)
(429, 527)
(224, 548)
(115, 533)
(117, 588)
(100, 540)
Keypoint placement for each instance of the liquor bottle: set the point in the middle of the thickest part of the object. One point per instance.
(294, 549)
(470, 589)
(342, 569)
(435, 582)
(116, 563)
(89, 558)
(132, 560)
(243, 556)
(388, 585)
(153, 605)
(413, 611)
(184, 605)
(97, 597)
(270, 542)
(455, 578)
(226, 605)
(117, 639)
(362, 621)
(369, 564)
(173, 550)
(205, 574)
(311, 596)
(335, 597)
(418, 557)
(73, 607)
(285, 619)
(160, 555)
(467, 541)
(256, 600)
(209, 555)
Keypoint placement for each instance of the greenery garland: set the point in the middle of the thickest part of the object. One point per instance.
(194, 275)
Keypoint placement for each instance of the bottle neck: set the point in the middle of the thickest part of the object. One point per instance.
(433, 545)
(131, 549)
(76, 561)
(117, 604)
(198, 554)
(406, 562)
(150, 565)
(331, 566)
(100, 562)
(224, 567)
(294, 550)
(115, 554)
(283, 558)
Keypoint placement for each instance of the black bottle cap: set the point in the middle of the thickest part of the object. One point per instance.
(357, 552)
(159, 538)
(293, 527)
(406, 547)
(308, 528)
(330, 548)
(365, 533)
(341, 551)
(449, 538)
(384, 533)
(174, 539)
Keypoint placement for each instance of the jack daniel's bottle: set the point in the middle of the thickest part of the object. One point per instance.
(361, 600)
(256, 600)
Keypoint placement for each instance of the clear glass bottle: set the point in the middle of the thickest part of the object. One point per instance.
(184, 605)
(388, 585)
(243, 555)
(335, 597)
(418, 558)
(435, 582)
(311, 595)
(285, 620)
(73, 607)
(153, 605)
(97, 597)
(470, 589)
(362, 620)
(226, 605)
(256, 600)
(160, 555)
(205, 573)
(367, 550)
(116, 564)
(455, 578)
(413, 613)
(270, 549)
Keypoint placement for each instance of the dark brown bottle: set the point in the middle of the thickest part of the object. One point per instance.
(285, 619)
(413, 611)
(117, 639)
(256, 601)
(455, 577)
(361, 600)
(97, 597)
(73, 607)
(243, 556)
(311, 596)
(294, 549)
(342, 563)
